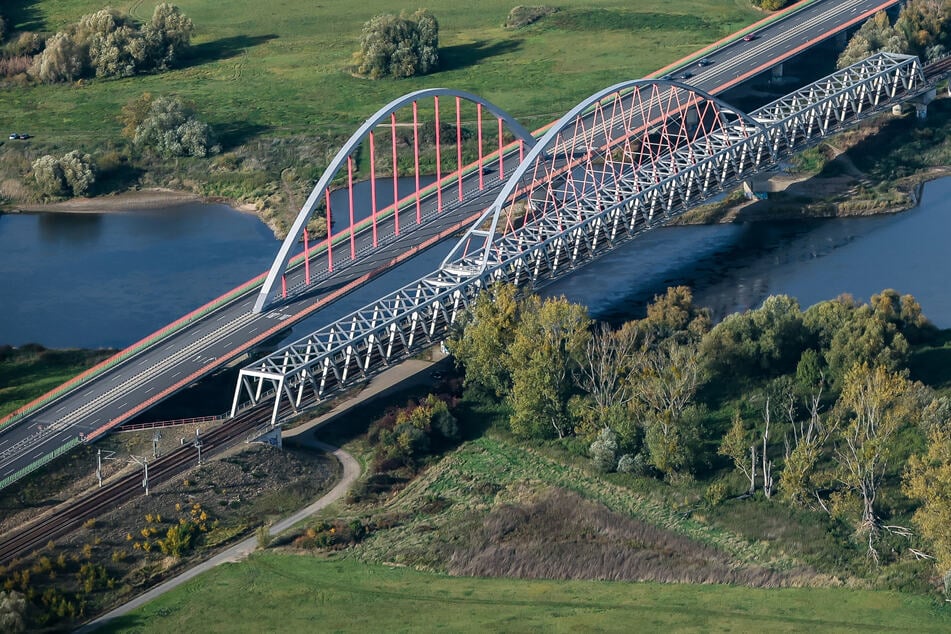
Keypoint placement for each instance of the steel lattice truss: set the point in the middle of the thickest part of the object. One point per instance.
(625, 160)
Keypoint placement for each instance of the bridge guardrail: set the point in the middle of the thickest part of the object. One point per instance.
(39, 462)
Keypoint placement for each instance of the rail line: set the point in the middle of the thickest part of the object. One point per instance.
(65, 519)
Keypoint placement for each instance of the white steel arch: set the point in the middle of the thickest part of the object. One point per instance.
(279, 266)
(542, 147)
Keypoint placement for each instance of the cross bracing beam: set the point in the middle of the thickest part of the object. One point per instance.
(585, 201)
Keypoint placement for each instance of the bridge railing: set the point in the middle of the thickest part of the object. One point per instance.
(39, 462)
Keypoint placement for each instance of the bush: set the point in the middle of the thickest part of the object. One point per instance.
(603, 451)
(522, 16)
(401, 46)
(73, 173)
(179, 539)
(108, 43)
(168, 128)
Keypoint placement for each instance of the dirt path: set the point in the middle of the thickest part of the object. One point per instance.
(351, 471)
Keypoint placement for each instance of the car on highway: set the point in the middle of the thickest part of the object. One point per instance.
(749, 37)
(686, 74)
(706, 61)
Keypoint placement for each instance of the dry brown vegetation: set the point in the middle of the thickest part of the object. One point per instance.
(560, 535)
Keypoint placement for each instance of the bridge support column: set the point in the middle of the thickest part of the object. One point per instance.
(921, 110)
(841, 40)
(777, 71)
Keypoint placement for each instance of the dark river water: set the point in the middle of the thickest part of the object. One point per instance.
(95, 280)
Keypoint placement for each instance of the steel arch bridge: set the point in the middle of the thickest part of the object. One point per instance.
(627, 159)
(387, 222)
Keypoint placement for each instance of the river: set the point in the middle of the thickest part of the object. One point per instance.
(107, 280)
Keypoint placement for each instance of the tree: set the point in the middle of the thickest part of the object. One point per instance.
(922, 24)
(549, 342)
(171, 128)
(738, 445)
(167, 35)
(928, 480)
(73, 173)
(12, 611)
(63, 59)
(134, 113)
(872, 408)
(113, 43)
(402, 46)
(665, 385)
(49, 176)
(866, 337)
(875, 35)
(602, 375)
(768, 340)
(482, 338)
(79, 171)
(673, 315)
(3, 28)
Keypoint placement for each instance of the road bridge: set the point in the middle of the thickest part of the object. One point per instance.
(378, 241)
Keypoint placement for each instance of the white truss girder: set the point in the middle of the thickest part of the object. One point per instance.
(587, 209)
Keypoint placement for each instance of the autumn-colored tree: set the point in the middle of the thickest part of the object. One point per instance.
(738, 445)
(873, 406)
(928, 480)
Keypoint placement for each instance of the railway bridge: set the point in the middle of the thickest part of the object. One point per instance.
(623, 161)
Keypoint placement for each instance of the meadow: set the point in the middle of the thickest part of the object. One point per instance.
(301, 593)
(282, 68)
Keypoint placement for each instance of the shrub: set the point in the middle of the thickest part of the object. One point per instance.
(168, 127)
(108, 43)
(403, 46)
(522, 16)
(27, 43)
(179, 539)
(715, 494)
(73, 173)
(603, 451)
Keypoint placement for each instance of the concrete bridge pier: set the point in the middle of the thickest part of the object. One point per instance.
(921, 104)
(777, 71)
(840, 41)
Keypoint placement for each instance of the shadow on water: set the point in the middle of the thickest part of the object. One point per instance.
(224, 48)
(70, 229)
(464, 55)
(22, 15)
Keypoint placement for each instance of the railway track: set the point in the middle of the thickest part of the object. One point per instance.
(61, 521)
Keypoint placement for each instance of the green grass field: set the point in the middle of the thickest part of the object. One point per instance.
(300, 593)
(27, 373)
(276, 68)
